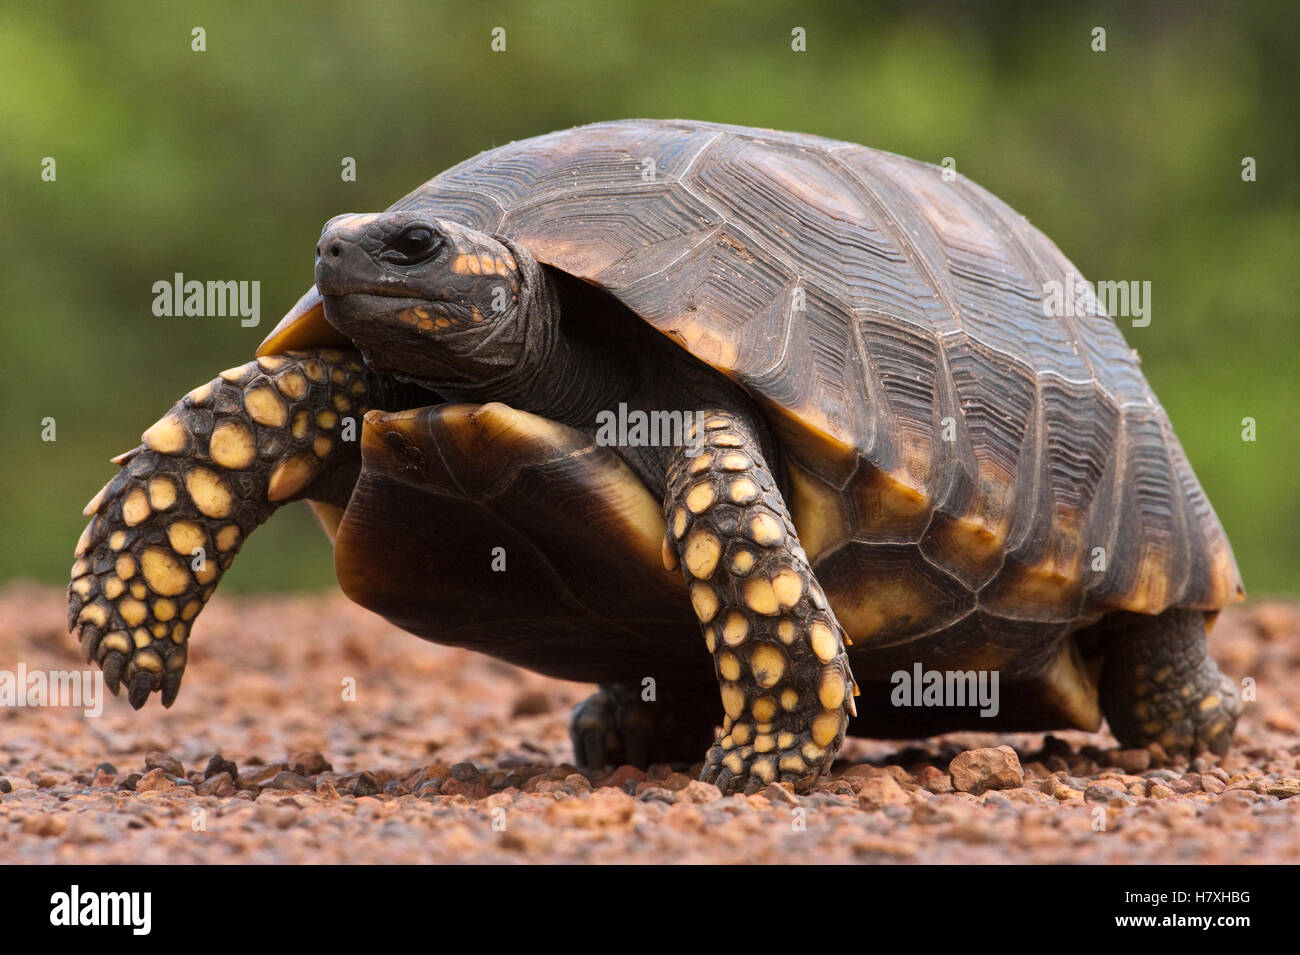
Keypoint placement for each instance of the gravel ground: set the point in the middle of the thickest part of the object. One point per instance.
(446, 756)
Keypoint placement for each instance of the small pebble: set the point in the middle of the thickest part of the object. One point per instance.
(168, 764)
(977, 770)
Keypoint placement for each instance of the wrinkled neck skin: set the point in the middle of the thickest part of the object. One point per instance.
(533, 361)
(528, 362)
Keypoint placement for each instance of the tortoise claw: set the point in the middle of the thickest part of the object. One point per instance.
(720, 777)
(714, 771)
(90, 637)
(592, 722)
(141, 684)
(113, 664)
(171, 685)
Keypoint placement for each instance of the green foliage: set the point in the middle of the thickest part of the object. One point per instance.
(224, 164)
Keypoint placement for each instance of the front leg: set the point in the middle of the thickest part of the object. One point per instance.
(778, 650)
(222, 461)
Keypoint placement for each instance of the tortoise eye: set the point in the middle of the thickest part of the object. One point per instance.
(414, 245)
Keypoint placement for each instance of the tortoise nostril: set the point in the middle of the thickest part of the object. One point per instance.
(335, 250)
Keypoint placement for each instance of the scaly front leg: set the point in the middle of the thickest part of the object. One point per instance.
(777, 648)
(209, 472)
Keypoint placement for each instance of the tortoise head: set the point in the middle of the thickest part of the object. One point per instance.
(430, 300)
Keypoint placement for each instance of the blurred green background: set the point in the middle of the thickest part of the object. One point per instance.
(224, 164)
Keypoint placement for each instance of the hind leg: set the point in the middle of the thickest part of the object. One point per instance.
(1159, 685)
(616, 726)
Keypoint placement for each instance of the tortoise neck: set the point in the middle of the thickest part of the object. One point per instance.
(557, 374)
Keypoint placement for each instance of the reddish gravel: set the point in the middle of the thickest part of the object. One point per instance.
(451, 757)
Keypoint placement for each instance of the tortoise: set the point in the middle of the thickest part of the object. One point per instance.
(586, 396)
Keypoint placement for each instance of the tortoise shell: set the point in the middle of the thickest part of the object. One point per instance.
(971, 479)
(869, 305)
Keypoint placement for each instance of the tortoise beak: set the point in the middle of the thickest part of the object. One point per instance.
(303, 327)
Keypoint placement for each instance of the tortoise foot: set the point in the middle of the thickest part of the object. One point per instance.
(796, 759)
(1200, 722)
(615, 727)
(1160, 686)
